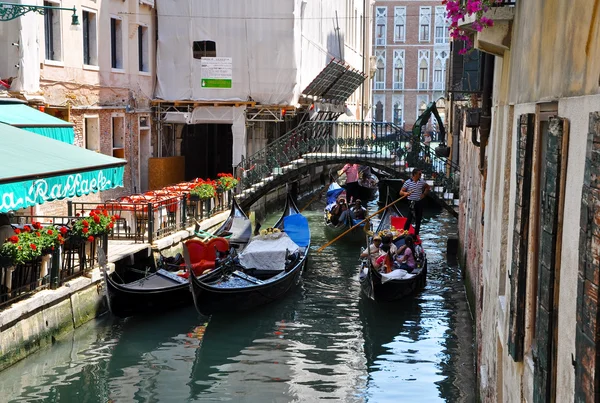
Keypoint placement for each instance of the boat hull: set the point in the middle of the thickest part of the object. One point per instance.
(392, 290)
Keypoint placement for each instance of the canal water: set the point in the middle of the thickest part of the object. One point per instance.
(322, 342)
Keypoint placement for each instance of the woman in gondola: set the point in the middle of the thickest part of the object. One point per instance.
(405, 256)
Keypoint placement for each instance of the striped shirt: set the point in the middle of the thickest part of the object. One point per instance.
(416, 189)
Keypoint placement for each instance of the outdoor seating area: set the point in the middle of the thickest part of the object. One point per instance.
(72, 248)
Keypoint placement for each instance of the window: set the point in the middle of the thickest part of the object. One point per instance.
(379, 107)
(116, 43)
(90, 43)
(423, 69)
(204, 49)
(398, 106)
(399, 69)
(52, 32)
(399, 24)
(143, 57)
(424, 23)
(441, 25)
(380, 73)
(118, 135)
(381, 25)
(439, 69)
(91, 127)
(422, 101)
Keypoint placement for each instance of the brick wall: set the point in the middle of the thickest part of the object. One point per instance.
(411, 47)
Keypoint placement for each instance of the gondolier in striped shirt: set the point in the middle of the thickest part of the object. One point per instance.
(415, 189)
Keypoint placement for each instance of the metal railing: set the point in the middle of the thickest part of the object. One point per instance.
(380, 143)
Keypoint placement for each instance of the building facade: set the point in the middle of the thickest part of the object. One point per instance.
(410, 54)
(529, 221)
(98, 74)
(271, 51)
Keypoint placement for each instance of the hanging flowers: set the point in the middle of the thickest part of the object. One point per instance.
(457, 10)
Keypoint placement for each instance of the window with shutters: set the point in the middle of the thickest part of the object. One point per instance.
(116, 43)
(52, 32)
(90, 42)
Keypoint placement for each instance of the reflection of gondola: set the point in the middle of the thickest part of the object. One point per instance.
(381, 323)
(272, 274)
(229, 336)
(163, 290)
(383, 288)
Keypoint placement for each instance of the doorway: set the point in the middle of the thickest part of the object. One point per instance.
(208, 150)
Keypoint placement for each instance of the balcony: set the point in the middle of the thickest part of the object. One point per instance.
(496, 39)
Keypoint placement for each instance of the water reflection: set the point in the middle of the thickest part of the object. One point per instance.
(322, 341)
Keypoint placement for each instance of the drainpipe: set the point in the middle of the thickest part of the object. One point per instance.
(486, 107)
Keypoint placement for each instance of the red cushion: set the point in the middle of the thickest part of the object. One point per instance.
(203, 265)
(398, 223)
(197, 250)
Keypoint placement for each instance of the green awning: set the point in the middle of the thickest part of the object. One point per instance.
(36, 169)
(30, 119)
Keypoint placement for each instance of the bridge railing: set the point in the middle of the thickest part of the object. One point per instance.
(385, 142)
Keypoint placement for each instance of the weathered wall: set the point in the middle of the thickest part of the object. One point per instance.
(555, 50)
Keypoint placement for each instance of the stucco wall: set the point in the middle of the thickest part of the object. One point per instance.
(555, 50)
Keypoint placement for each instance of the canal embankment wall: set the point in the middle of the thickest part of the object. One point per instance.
(49, 315)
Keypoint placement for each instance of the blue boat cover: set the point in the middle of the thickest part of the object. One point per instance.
(333, 192)
(296, 226)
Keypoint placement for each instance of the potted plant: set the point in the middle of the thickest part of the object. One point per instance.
(226, 182)
(204, 191)
(88, 230)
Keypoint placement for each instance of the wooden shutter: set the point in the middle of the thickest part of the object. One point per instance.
(587, 340)
(554, 167)
(518, 274)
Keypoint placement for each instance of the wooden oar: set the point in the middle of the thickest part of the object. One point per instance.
(356, 225)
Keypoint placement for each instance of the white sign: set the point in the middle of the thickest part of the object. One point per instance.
(216, 72)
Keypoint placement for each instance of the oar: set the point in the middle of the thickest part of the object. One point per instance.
(356, 225)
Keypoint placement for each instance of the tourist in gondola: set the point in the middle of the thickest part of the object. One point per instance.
(358, 211)
(415, 189)
(405, 256)
(338, 211)
(374, 250)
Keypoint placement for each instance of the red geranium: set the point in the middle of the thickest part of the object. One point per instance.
(90, 238)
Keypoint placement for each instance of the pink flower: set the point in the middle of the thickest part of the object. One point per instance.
(462, 51)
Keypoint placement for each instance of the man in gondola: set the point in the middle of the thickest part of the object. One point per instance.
(415, 189)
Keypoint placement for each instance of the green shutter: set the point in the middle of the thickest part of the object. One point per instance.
(518, 274)
(545, 319)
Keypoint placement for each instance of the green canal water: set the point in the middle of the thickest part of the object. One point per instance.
(322, 342)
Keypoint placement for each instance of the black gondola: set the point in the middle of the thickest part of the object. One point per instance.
(334, 228)
(241, 286)
(163, 290)
(371, 283)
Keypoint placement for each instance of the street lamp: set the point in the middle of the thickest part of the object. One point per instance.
(10, 11)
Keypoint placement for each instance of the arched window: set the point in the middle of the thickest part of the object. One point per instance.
(398, 113)
(398, 69)
(379, 112)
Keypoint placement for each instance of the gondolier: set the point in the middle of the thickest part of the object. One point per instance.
(415, 189)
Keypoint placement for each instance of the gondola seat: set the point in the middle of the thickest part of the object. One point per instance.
(398, 223)
(204, 254)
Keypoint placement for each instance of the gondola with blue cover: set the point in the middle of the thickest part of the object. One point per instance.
(270, 265)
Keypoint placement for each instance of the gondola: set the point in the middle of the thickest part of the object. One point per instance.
(383, 287)
(265, 271)
(332, 230)
(368, 185)
(163, 290)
